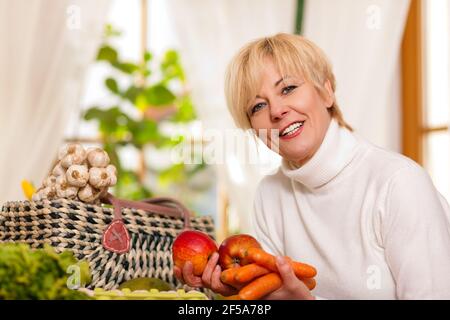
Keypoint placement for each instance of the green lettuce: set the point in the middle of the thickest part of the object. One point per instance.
(27, 273)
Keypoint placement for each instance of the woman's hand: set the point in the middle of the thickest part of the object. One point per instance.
(292, 288)
(210, 277)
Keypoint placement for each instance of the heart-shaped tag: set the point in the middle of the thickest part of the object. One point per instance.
(116, 237)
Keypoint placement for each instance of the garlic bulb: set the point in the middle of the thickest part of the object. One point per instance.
(58, 170)
(88, 194)
(112, 172)
(49, 181)
(61, 179)
(99, 178)
(71, 154)
(48, 192)
(97, 158)
(64, 190)
(77, 175)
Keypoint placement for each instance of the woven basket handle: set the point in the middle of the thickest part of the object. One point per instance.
(160, 205)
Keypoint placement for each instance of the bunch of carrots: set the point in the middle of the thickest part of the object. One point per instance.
(260, 276)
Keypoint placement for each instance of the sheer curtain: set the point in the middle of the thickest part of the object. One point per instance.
(209, 33)
(46, 48)
(363, 39)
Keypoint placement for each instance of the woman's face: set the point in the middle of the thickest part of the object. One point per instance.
(295, 109)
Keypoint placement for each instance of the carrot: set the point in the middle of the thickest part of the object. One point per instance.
(266, 260)
(228, 276)
(242, 275)
(309, 282)
(261, 287)
(249, 272)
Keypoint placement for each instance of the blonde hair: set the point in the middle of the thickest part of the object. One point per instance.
(292, 54)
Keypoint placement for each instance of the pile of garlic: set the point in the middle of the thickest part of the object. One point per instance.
(80, 174)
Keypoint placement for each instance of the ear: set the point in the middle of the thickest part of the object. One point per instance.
(329, 97)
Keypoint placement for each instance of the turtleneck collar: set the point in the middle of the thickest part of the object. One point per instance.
(336, 151)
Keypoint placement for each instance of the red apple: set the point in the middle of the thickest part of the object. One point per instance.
(232, 251)
(194, 246)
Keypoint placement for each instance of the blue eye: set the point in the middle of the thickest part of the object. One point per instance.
(257, 107)
(288, 89)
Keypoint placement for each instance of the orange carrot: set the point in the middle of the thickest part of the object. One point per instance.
(249, 272)
(261, 287)
(266, 260)
(228, 276)
(309, 282)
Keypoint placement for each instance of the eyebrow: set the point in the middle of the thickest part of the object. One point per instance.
(279, 81)
(276, 83)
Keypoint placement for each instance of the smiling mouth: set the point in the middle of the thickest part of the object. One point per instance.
(292, 129)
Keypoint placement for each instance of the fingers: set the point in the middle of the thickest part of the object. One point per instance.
(218, 286)
(207, 273)
(178, 273)
(288, 276)
(189, 278)
(211, 277)
(293, 287)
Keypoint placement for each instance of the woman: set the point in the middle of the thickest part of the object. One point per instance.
(368, 219)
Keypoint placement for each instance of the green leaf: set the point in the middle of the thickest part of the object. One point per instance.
(126, 67)
(145, 131)
(110, 31)
(131, 93)
(111, 121)
(170, 57)
(141, 102)
(93, 113)
(107, 53)
(169, 142)
(173, 174)
(147, 56)
(171, 67)
(159, 95)
(186, 111)
(111, 84)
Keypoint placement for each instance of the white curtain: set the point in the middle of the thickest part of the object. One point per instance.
(210, 33)
(362, 38)
(46, 47)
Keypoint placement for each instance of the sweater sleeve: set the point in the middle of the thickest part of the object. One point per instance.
(416, 236)
(263, 233)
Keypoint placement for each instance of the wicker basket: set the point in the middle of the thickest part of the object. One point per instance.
(152, 226)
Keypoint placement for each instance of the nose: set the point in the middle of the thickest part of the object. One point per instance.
(278, 111)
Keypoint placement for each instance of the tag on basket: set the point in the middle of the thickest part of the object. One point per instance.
(116, 237)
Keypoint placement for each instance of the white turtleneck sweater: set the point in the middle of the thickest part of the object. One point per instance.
(369, 220)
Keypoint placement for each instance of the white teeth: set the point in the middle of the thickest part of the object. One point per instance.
(292, 128)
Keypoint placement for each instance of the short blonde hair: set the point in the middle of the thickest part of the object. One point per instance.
(292, 54)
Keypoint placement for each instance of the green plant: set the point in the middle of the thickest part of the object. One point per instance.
(153, 94)
(39, 273)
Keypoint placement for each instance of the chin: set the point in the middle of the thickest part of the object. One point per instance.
(297, 156)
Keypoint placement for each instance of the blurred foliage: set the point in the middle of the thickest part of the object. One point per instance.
(39, 274)
(148, 90)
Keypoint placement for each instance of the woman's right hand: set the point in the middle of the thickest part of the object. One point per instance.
(210, 277)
